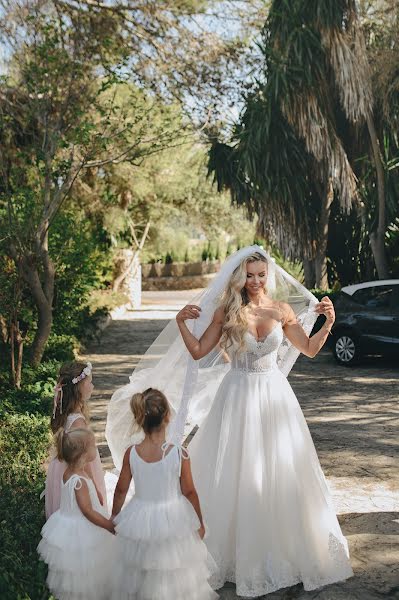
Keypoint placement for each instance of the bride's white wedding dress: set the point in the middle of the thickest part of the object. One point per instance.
(270, 519)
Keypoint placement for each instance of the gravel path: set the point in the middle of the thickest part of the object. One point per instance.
(353, 416)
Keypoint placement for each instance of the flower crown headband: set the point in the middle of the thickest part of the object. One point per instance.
(58, 391)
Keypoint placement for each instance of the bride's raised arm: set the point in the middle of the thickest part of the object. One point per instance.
(310, 346)
(210, 338)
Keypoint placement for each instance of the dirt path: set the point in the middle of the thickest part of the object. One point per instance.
(353, 415)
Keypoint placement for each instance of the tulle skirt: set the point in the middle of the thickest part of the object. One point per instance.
(55, 472)
(79, 556)
(160, 554)
(262, 491)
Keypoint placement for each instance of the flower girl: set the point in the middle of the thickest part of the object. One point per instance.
(73, 390)
(76, 540)
(160, 551)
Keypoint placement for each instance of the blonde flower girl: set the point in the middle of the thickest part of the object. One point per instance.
(160, 552)
(76, 543)
(72, 392)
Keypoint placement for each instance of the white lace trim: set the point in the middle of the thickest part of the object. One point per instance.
(264, 578)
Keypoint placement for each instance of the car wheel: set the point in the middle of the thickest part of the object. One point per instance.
(346, 349)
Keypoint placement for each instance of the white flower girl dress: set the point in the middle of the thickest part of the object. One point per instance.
(160, 553)
(78, 553)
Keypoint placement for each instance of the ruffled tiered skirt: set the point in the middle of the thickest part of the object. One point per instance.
(160, 554)
(79, 556)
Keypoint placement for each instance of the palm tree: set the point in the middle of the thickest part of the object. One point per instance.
(380, 22)
(288, 151)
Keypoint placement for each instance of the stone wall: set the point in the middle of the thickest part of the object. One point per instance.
(180, 269)
(178, 276)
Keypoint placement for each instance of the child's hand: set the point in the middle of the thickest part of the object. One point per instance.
(111, 526)
(201, 532)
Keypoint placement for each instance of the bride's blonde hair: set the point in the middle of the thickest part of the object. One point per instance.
(234, 300)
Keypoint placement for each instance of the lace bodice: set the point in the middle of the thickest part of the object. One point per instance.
(260, 355)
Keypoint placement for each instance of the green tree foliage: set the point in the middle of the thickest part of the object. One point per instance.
(170, 190)
(59, 118)
(308, 125)
(67, 112)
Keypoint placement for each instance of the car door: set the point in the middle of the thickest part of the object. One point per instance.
(395, 312)
(376, 319)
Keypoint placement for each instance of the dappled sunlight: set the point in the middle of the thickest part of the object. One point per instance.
(352, 421)
(353, 418)
(366, 380)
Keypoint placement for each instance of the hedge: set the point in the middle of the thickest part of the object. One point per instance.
(24, 443)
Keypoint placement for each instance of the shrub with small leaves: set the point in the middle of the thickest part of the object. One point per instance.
(24, 443)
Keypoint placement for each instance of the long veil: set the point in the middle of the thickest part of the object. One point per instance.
(190, 385)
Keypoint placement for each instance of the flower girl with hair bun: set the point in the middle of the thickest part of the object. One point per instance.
(160, 552)
(76, 543)
(71, 394)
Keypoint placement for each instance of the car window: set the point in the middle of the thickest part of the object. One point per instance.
(374, 297)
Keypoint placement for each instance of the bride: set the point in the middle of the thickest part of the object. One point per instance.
(266, 504)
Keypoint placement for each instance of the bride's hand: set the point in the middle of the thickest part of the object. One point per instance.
(190, 311)
(326, 307)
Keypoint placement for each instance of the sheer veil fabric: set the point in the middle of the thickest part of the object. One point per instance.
(190, 385)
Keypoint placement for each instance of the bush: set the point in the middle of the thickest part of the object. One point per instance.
(24, 442)
(62, 348)
(392, 242)
(85, 265)
(36, 393)
(229, 250)
(103, 301)
(207, 253)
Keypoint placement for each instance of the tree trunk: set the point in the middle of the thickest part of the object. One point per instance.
(322, 241)
(135, 257)
(12, 347)
(20, 346)
(17, 345)
(3, 329)
(321, 269)
(309, 272)
(44, 324)
(125, 271)
(42, 292)
(377, 237)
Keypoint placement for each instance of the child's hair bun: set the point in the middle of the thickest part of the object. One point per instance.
(150, 408)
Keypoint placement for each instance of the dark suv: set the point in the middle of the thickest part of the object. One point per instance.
(367, 321)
